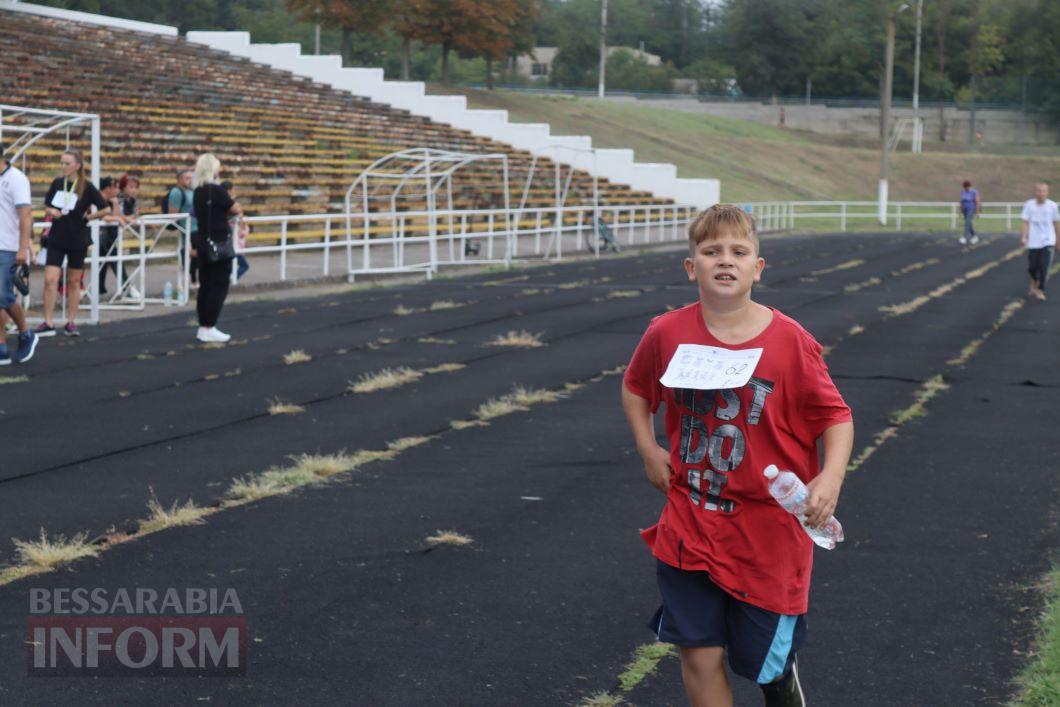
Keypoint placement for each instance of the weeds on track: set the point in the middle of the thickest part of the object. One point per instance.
(449, 537)
(159, 517)
(518, 339)
(386, 378)
(296, 356)
(278, 407)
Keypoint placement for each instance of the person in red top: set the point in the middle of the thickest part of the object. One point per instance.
(733, 566)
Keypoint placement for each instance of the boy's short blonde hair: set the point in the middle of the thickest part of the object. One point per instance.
(719, 219)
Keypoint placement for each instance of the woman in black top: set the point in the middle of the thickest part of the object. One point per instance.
(67, 202)
(212, 207)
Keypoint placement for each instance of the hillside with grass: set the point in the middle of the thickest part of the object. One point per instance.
(756, 162)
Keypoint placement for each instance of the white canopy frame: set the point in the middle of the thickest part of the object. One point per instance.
(563, 177)
(412, 177)
(30, 125)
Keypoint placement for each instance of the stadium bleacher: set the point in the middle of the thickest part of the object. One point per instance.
(291, 146)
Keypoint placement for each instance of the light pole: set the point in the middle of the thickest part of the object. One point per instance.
(885, 117)
(603, 47)
(316, 49)
(918, 133)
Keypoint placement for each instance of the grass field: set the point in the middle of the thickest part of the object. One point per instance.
(756, 162)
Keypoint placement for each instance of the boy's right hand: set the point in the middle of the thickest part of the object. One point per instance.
(657, 467)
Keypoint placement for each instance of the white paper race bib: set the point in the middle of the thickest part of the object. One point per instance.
(710, 368)
(65, 200)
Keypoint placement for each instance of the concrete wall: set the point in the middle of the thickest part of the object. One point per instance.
(992, 126)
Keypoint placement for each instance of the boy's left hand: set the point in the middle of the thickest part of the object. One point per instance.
(821, 503)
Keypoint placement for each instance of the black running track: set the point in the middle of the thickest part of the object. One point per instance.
(927, 603)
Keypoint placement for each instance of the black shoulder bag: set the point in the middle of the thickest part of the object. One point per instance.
(215, 251)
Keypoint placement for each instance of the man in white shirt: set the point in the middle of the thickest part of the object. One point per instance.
(1041, 230)
(16, 227)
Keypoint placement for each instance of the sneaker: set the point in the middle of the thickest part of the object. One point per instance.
(212, 335)
(132, 293)
(1040, 294)
(962, 240)
(71, 330)
(44, 330)
(785, 692)
(975, 239)
(27, 344)
(10, 328)
(5, 357)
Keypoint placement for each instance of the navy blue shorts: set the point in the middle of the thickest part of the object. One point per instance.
(696, 612)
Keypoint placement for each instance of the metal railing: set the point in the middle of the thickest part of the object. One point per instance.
(151, 250)
(844, 215)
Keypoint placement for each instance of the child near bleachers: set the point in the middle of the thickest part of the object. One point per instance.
(240, 231)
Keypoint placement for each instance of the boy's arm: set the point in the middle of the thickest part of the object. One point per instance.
(824, 489)
(1023, 233)
(656, 459)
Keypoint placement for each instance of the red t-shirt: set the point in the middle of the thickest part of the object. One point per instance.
(719, 516)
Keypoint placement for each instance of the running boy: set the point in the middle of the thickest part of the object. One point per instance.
(733, 566)
(1041, 235)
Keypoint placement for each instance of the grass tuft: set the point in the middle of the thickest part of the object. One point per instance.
(449, 537)
(386, 378)
(523, 339)
(614, 294)
(1039, 681)
(402, 443)
(296, 356)
(435, 340)
(7, 380)
(160, 517)
(278, 407)
(46, 553)
(402, 311)
(444, 304)
(644, 662)
(445, 368)
(601, 699)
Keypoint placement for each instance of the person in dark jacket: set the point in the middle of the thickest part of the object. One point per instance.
(213, 207)
(68, 202)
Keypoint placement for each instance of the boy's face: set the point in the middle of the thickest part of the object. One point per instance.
(724, 267)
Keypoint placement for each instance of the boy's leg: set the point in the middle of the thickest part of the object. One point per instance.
(703, 671)
(762, 647)
(692, 616)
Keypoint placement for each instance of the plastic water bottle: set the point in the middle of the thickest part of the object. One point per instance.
(167, 294)
(791, 494)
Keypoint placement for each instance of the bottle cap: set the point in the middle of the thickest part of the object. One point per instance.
(771, 471)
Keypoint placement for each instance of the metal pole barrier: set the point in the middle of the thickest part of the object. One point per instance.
(93, 285)
(843, 216)
(327, 246)
(283, 251)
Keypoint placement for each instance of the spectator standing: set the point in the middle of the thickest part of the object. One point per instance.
(129, 207)
(68, 201)
(1041, 234)
(241, 230)
(971, 206)
(213, 207)
(108, 235)
(179, 201)
(16, 231)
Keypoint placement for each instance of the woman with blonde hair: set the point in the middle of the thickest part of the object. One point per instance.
(67, 202)
(214, 247)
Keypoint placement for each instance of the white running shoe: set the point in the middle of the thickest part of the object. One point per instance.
(212, 335)
(975, 239)
(962, 240)
(132, 293)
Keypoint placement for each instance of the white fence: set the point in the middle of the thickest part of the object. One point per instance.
(842, 215)
(149, 252)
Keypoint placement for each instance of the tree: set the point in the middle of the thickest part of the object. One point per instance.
(471, 27)
(351, 16)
